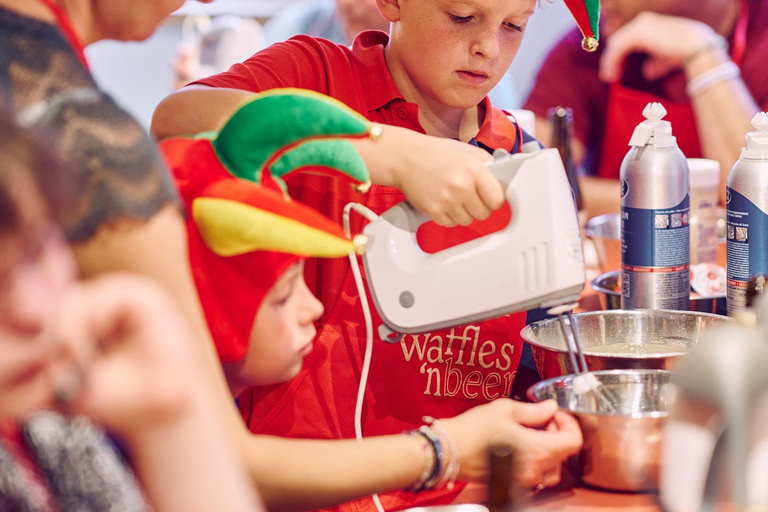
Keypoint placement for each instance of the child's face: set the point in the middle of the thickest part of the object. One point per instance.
(282, 333)
(452, 52)
(36, 267)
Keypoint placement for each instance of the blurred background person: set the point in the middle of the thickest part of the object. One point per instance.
(703, 59)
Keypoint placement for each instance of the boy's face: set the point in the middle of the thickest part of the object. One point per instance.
(282, 333)
(452, 52)
(36, 267)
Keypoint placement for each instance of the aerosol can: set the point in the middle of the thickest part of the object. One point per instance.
(746, 197)
(655, 250)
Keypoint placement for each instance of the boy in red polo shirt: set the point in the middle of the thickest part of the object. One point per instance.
(431, 77)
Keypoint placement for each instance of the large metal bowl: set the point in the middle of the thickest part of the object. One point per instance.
(644, 338)
(622, 449)
(607, 286)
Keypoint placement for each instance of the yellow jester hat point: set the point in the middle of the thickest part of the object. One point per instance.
(244, 230)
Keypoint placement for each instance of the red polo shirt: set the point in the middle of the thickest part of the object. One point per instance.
(441, 373)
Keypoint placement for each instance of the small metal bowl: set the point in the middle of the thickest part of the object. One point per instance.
(605, 233)
(622, 449)
(619, 339)
(607, 286)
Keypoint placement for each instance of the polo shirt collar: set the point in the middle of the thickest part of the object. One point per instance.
(375, 77)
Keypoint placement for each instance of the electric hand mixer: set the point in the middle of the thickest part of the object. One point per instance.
(534, 261)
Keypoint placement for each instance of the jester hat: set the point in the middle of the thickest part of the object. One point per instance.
(244, 230)
(587, 15)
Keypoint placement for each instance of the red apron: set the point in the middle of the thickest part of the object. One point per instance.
(625, 112)
(440, 374)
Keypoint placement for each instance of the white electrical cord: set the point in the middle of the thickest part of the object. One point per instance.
(355, 265)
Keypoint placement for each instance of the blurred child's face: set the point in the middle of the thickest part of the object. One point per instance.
(132, 20)
(359, 15)
(452, 52)
(282, 333)
(36, 267)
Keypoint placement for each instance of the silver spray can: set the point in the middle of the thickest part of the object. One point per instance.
(746, 209)
(655, 248)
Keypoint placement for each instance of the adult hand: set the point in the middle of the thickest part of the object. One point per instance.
(668, 40)
(128, 348)
(541, 435)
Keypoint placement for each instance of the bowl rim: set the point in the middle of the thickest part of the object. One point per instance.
(524, 332)
(637, 371)
(595, 284)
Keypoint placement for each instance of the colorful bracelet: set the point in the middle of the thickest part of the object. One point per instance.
(433, 467)
(452, 467)
(429, 461)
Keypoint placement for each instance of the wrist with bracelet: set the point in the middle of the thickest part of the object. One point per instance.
(720, 73)
(441, 463)
(719, 42)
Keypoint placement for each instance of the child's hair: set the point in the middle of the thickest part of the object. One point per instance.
(26, 159)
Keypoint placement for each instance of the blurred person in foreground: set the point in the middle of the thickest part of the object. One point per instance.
(702, 59)
(75, 357)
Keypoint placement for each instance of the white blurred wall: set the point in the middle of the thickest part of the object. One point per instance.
(139, 75)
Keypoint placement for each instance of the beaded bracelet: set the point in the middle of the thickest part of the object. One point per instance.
(429, 461)
(433, 467)
(437, 446)
(452, 468)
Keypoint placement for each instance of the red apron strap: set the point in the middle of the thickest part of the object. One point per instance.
(65, 25)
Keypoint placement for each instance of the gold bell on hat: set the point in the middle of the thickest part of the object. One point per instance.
(589, 44)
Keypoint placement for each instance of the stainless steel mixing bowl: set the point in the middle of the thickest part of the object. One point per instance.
(622, 449)
(651, 339)
(607, 286)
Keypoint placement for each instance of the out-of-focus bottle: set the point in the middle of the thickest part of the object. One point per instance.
(561, 121)
(705, 182)
(655, 242)
(501, 495)
(746, 205)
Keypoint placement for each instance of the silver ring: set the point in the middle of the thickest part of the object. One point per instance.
(540, 487)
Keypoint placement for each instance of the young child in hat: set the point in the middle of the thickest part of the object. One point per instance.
(247, 242)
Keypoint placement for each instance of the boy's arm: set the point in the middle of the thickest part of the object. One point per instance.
(443, 178)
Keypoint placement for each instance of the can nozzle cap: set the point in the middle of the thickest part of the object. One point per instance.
(757, 141)
(653, 129)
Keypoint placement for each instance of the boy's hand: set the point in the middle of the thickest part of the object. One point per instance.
(449, 182)
(126, 342)
(542, 436)
(445, 179)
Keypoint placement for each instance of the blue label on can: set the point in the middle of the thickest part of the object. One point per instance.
(655, 252)
(746, 249)
(655, 238)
